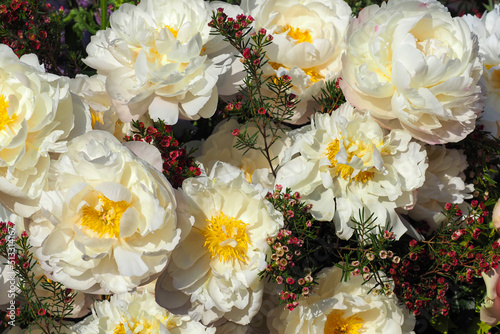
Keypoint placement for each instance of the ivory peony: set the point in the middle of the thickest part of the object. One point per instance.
(37, 116)
(414, 67)
(136, 313)
(444, 183)
(108, 224)
(308, 41)
(220, 146)
(345, 163)
(487, 29)
(159, 57)
(213, 274)
(342, 307)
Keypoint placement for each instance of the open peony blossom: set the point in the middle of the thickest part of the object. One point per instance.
(444, 183)
(220, 146)
(346, 163)
(487, 29)
(342, 307)
(214, 272)
(308, 41)
(108, 224)
(490, 310)
(414, 67)
(37, 116)
(496, 216)
(136, 313)
(159, 57)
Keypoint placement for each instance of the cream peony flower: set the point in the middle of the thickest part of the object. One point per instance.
(444, 183)
(159, 57)
(414, 67)
(109, 222)
(487, 28)
(343, 307)
(92, 90)
(213, 273)
(136, 313)
(37, 116)
(220, 147)
(490, 309)
(308, 40)
(346, 163)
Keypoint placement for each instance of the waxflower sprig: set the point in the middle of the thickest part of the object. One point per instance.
(29, 307)
(178, 164)
(441, 276)
(255, 106)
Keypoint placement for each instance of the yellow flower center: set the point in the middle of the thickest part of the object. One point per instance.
(297, 34)
(144, 325)
(104, 218)
(226, 238)
(337, 324)
(173, 31)
(314, 75)
(358, 149)
(96, 117)
(4, 115)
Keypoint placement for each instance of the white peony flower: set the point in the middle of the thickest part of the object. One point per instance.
(220, 147)
(213, 273)
(37, 116)
(92, 90)
(157, 57)
(414, 67)
(444, 183)
(308, 41)
(109, 222)
(136, 313)
(487, 28)
(343, 307)
(346, 163)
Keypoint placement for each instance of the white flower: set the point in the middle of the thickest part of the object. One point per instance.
(308, 41)
(220, 147)
(213, 273)
(156, 58)
(347, 163)
(136, 313)
(414, 67)
(37, 116)
(342, 307)
(487, 28)
(444, 183)
(109, 222)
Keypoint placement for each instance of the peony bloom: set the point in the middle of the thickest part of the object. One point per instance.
(220, 147)
(346, 163)
(487, 29)
(37, 116)
(496, 216)
(213, 273)
(308, 41)
(342, 307)
(414, 67)
(136, 313)
(92, 90)
(159, 57)
(109, 222)
(490, 310)
(444, 183)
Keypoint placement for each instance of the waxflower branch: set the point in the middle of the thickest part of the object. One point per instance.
(267, 113)
(33, 308)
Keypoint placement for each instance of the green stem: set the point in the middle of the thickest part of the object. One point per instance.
(104, 16)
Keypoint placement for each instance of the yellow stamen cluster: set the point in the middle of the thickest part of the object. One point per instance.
(104, 218)
(4, 115)
(226, 238)
(346, 171)
(337, 324)
(297, 34)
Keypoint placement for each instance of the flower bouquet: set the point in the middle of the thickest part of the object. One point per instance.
(265, 166)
